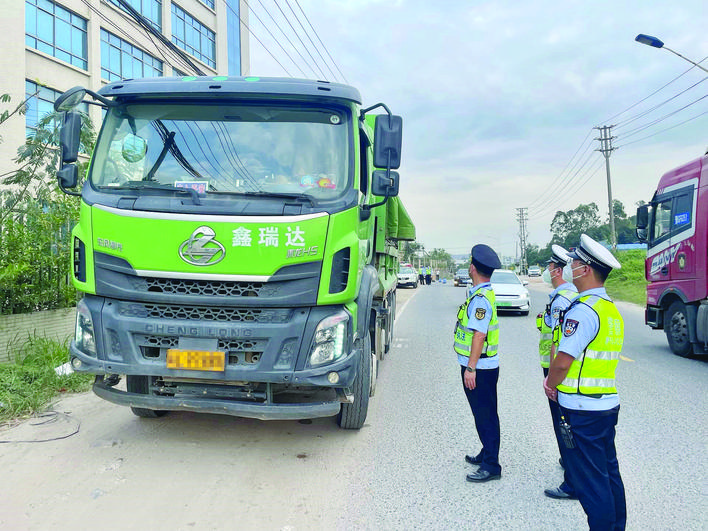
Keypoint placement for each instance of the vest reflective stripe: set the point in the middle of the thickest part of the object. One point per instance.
(547, 339)
(463, 334)
(593, 372)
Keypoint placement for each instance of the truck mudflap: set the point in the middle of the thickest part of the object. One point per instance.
(206, 405)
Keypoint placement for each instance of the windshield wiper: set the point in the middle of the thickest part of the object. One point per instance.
(261, 193)
(152, 185)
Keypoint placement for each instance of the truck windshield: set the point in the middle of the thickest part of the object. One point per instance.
(227, 149)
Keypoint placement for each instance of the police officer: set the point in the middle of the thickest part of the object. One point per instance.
(582, 379)
(563, 294)
(428, 275)
(476, 345)
(421, 276)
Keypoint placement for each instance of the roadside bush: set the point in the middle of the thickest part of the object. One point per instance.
(29, 384)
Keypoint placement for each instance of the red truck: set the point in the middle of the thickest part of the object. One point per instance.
(675, 227)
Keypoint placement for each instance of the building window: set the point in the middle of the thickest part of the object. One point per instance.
(208, 3)
(52, 29)
(193, 36)
(122, 60)
(41, 104)
(150, 9)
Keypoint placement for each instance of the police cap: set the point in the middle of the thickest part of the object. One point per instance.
(485, 259)
(559, 255)
(595, 255)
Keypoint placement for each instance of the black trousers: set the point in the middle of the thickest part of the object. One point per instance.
(567, 485)
(594, 469)
(483, 403)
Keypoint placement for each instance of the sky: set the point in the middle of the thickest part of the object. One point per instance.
(499, 99)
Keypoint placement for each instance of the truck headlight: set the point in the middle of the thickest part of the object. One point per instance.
(330, 337)
(85, 336)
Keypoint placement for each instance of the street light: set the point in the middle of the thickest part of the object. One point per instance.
(656, 43)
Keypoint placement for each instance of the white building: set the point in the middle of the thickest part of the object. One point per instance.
(53, 45)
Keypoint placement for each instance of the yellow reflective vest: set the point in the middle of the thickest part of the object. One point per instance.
(463, 334)
(593, 372)
(547, 335)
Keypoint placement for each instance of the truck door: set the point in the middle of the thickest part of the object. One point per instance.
(659, 239)
(682, 268)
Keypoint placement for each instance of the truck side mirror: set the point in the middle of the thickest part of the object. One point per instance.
(388, 137)
(68, 176)
(70, 137)
(642, 222)
(385, 185)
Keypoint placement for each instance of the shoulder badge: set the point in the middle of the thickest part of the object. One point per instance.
(479, 313)
(570, 327)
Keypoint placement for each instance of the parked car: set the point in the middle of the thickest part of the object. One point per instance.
(407, 276)
(534, 271)
(462, 277)
(510, 292)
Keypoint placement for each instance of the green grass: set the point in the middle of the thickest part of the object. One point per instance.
(628, 284)
(29, 384)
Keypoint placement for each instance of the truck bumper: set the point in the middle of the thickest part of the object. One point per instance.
(222, 407)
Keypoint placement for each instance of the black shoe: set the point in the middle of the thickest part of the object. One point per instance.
(481, 476)
(473, 459)
(560, 462)
(558, 494)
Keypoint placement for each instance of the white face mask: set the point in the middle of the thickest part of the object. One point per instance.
(546, 276)
(568, 272)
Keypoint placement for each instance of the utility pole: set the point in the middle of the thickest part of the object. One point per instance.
(522, 216)
(606, 149)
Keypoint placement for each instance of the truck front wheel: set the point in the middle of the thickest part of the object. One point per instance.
(141, 385)
(352, 416)
(676, 328)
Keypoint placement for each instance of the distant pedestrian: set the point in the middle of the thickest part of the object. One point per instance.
(421, 276)
(476, 344)
(428, 276)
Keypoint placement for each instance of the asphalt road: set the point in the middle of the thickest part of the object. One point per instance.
(403, 470)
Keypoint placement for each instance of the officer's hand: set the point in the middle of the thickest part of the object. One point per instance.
(470, 380)
(551, 393)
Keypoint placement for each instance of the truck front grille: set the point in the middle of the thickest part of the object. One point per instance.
(209, 288)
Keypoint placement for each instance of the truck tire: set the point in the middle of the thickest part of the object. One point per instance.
(352, 416)
(676, 328)
(141, 385)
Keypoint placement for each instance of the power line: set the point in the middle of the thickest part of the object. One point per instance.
(663, 130)
(310, 39)
(542, 196)
(274, 38)
(626, 122)
(288, 39)
(256, 37)
(641, 128)
(298, 38)
(611, 118)
(578, 185)
(323, 45)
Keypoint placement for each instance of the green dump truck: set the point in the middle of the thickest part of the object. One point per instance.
(237, 245)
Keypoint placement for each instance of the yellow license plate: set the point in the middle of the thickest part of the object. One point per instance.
(195, 360)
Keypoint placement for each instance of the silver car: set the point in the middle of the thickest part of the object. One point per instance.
(510, 292)
(407, 276)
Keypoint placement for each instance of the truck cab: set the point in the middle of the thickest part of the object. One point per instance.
(675, 227)
(236, 249)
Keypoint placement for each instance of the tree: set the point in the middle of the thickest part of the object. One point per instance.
(568, 226)
(36, 220)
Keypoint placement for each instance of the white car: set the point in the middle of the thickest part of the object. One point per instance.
(510, 292)
(407, 276)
